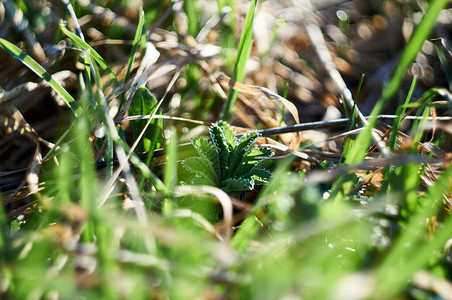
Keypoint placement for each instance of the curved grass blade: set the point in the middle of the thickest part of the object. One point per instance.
(249, 89)
(445, 58)
(358, 152)
(398, 120)
(394, 272)
(41, 72)
(92, 53)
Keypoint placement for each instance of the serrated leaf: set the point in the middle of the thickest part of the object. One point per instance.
(223, 148)
(227, 162)
(238, 184)
(228, 134)
(202, 168)
(207, 150)
(244, 146)
(254, 159)
(260, 176)
(144, 103)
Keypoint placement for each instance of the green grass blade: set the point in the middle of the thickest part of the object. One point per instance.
(88, 86)
(250, 227)
(170, 171)
(192, 12)
(245, 45)
(398, 121)
(92, 53)
(136, 40)
(3, 231)
(445, 58)
(88, 181)
(400, 264)
(421, 33)
(41, 72)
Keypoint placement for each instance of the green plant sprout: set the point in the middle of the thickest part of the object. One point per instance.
(228, 161)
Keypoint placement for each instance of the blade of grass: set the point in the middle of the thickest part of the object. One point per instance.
(192, 12)
(400, 264)
(251, 226)
(352, 124)
(398, 120)
(41, 72)
(245, 45)
(96, 56)
(88, 86)
(91, 67)
(74, 18)
(88, 180)
(445, 58)
(358, 152)
(284, 86)
(170, 172)
(136, 40)
(392, 142)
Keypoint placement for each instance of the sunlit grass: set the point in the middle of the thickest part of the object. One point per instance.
(109, 222)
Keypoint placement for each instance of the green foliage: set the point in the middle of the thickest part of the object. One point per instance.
(144, 103)
(79, 236)
(421, 33)
(41, 72)
(227, 161)
(89, 51)
(136, 40)
(244, 50)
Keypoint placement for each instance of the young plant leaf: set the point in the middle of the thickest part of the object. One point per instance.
(238, 184)
(254, 158)
(208, 151)
(227, 162)
(202, 168)
(244, 146)
(144, 103)
(223, 146)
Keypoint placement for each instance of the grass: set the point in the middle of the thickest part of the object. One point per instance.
(149, 206)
